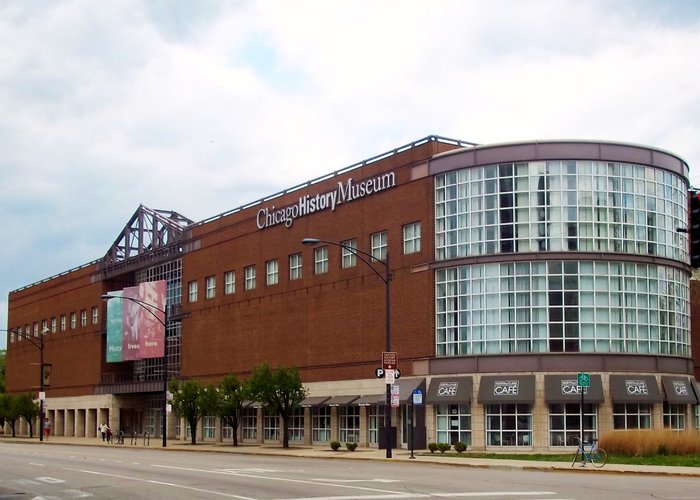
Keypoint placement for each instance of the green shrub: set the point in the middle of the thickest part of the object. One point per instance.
(443, 447)
(335, 445)
(351, 446)
(460, 447)
(433, 447)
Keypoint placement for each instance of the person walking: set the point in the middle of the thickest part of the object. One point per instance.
(47, 428)
(103, 430)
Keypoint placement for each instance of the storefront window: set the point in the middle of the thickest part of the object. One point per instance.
(454, 423)
(508, 424)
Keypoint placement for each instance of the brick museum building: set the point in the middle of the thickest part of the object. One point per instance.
(513, 269)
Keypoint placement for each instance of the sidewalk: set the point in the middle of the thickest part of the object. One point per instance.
(398, 455)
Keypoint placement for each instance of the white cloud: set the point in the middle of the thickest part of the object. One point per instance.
(201, 107)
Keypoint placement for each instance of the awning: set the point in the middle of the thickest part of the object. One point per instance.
(340, 400)
(565, 389)
(407, 386)
(679, 390)
(314, 401)
(634, 389)
(449, 390)
(507, 389)
(370, 399)
(252, 404)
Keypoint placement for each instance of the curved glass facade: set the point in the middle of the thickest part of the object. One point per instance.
(557, 305)
(560, 206)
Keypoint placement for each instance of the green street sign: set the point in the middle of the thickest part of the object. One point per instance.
(584, 380)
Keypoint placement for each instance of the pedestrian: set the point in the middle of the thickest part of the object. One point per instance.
(103, 430)
(47, 428)
(109, 434)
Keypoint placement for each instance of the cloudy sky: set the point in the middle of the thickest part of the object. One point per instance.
(202, 106)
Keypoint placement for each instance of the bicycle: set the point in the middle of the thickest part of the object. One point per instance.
(596, 456)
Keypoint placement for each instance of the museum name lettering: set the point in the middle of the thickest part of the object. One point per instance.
(308, 204)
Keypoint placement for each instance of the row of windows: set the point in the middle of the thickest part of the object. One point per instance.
(562, 306)
(348, 259)
(61, 324)
(558, 206)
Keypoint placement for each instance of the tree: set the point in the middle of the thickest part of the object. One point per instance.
(4, 408)
(192, 400)
(280, 392)
(3, 364)
(232, 393)
(28, 409)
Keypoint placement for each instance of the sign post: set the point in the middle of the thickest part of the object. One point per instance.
(584, 382)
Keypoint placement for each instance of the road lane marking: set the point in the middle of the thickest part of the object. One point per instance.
(477, 494)
(356, 480)
(181, 486)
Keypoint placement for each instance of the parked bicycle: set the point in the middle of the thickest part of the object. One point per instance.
(594, 455)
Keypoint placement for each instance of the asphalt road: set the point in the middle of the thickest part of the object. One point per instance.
(64, 472)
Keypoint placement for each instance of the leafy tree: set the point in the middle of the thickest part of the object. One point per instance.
(280, 392)
(192, 400)
(28, 409)
(3, 364)
(232, 393)
(4, 408)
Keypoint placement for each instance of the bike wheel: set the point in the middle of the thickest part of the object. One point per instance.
(599, 458)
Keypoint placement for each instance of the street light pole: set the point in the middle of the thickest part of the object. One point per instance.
(150, 308)
(386, 279)
(39, 345)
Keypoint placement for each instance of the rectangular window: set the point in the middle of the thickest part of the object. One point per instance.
(631, 416)
(192, 288)
(53, 324)
(295, 266)
(209, 427)
(375, 422)
(95, 315)
(674, 416)
(411, 238)
(454, 423)
(229, 282)
(296, 425)
(210, 284)
(321, 424)
(226, 431)
(349, 423)
(36, 328)
(508, 424)
(250, 278)
(348, 258)
(565, 423)
(271, 427)
(272, 275)
(83, 317)
(321, 260)
(63, 322)
(44, 326)
(379, 245)
(249, 424)
(73, 321)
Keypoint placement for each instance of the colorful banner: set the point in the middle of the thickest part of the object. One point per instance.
(135, 323)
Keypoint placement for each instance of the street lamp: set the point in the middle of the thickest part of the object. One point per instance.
(386, 278)
(151, 308)
(39, 345)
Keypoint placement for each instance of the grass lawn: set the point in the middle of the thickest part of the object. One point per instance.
(665, 460)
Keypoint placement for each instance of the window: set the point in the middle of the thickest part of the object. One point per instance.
(208, 427)
(192, 289)
(272, 276)
(271, 427)
(229, 282)
(321, 260)
(249, 423)
(83, 317)
(95, 315)
(73, 321)
(565, 423)
(63, 322)
(454, 423)
(210, 284)
(44, 326)
(411, 238)
(36, 328)
(348, 258)
(296, 425)
(295, 266)
(226, 431)
(378, 244)
(375, 421)
(674, 416)
(19, 335)
(631, 416)
(250, 277)
(349, 423)
(321, 424)
(53, 324)
(508, 424)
